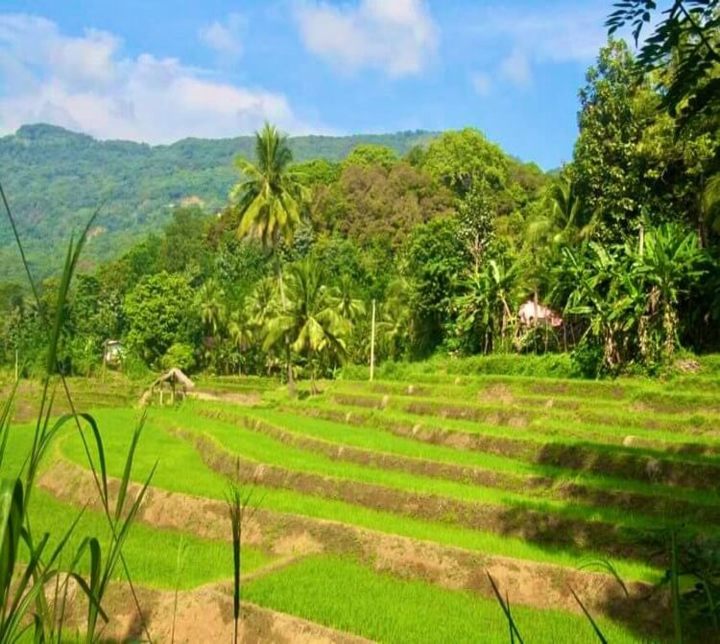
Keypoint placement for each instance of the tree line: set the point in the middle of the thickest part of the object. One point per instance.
(448, 241)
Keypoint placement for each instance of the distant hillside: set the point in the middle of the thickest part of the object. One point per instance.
(55, 179)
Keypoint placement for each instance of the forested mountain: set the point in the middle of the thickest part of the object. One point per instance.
(55, 179)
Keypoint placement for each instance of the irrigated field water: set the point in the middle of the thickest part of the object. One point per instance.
(379, 510)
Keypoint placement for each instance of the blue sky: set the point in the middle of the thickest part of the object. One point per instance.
(163, 70)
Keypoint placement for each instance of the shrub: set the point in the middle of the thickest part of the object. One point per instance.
(179, 355)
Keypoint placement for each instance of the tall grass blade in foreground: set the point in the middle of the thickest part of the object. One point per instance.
(505, 605)
(240, 510)
(606, 566)
(593, 623)
(178, 567)
(23, 601)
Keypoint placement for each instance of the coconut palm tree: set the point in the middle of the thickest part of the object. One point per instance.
(269, 200)
(396, 321)
(211, 303)
(348, 306)
(566, 220)
(270, 197)
(311, 320)
(262, 306)
(241, 332)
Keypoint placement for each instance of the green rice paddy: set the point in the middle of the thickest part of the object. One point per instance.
(378, 437)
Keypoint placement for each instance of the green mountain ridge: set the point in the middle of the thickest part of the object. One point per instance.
(56, 179)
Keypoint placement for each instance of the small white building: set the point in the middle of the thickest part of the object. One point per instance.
(532, 313)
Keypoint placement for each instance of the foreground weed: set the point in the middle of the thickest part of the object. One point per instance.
(241, 508)
(33, 595)
(505, 605)
(178, 568)
(587, 614)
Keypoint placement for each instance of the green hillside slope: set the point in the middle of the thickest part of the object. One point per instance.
(55, 179)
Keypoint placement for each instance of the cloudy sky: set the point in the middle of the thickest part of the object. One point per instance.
(164, 70)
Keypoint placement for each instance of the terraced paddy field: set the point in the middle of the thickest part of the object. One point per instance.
(381, 509)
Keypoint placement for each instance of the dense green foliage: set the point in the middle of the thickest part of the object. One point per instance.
(55, 179)
(463, 249)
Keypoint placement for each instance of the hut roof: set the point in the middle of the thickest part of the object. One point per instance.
(175, 376)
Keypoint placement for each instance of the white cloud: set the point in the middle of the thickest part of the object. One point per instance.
(569, 33)
(516, 68)
(85, 83)
(398, 36)
(482, 83)
(225, 38)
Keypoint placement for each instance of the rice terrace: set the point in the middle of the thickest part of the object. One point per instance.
(379, 509)
(277, 365)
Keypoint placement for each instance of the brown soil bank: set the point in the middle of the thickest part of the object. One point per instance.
(506, 411)
(610, 460)
(547, 486)
(384, 460)
(545, 528)
(289, 536)
(203, 615)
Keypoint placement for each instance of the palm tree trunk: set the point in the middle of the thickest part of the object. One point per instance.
(288, 361)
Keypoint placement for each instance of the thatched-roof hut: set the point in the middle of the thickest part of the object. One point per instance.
(174, 382)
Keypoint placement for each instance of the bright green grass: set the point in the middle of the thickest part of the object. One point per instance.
(668, 398)
(372, 439)
(180, 469)
(265, 449)
(540, 430)
(437, 374)
(342, 594)
(594, 417)
(151, 553)
(380, 421)
(688, 410)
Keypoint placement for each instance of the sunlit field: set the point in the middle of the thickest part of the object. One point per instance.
(379, 509)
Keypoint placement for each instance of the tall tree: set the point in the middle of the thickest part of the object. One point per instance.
(270, 196)
(432, 259)
(312, 320)
(210, 301)
(269, 200)
(606, 174)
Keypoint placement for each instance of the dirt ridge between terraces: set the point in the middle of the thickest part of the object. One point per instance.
(204, 614)
(349, 453)
(565, 490)
(536, 584)
(530, 525)
(504, 410)
(581, 456)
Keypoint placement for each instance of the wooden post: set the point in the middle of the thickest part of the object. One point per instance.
(104, 361)
(372, 342)
(642, 240)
